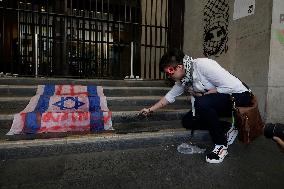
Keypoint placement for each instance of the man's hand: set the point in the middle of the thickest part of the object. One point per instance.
(210, 91)
(279, 142)
(145, 112)
(196, 94)
(193, 93)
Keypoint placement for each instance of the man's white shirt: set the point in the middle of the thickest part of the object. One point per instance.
(211, 75)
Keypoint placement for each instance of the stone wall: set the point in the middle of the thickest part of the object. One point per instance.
(242, 45)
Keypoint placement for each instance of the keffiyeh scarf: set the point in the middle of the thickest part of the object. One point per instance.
(187, 81)
(190, 80)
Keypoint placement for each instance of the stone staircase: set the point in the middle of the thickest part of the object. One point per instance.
(124, 98)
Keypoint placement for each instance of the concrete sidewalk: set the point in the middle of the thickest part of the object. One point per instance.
(259, 165)
(94, 143)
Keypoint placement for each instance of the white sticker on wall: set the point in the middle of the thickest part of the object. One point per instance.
(243, 8)
(281, 18)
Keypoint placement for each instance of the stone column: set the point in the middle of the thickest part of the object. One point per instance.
(275, 95)
(60, 40)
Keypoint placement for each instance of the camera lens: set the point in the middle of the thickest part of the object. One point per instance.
(272, 130)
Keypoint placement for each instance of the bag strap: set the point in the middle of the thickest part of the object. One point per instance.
(246, 86)
(234, 107)
(191, 74)
(250, 91)
(191, 78)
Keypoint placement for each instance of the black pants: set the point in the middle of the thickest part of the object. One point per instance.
(209, 108)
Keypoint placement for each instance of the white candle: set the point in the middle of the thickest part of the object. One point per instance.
(131, 61)
(36, 60)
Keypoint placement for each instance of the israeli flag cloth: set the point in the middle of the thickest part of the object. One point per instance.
(62, 108)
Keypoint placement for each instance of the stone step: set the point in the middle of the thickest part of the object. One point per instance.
(94, 143)
(119, 128)
(147, 126)
(119, 117)
(124, 99)
(138, 108)
(132, 116)
(101, 82)
(30, 90)
(17, 104)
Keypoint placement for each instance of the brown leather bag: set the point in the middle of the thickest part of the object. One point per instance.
(248, 121)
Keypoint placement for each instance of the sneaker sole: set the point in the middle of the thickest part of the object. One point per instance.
(216, 161)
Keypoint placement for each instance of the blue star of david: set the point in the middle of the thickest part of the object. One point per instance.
(60, 103)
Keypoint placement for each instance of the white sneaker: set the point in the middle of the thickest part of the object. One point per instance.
(218, 154)
(231, 135)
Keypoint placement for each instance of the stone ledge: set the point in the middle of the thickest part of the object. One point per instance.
(94, 143)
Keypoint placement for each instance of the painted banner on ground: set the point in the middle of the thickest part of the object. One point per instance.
(62, 108)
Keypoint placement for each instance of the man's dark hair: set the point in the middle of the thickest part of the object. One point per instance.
(173, 57)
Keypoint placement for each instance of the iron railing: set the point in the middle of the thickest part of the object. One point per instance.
(84, 38)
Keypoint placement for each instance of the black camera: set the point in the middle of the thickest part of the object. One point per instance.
(271, 130)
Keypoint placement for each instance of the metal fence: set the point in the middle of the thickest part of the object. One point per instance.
(87, 38)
